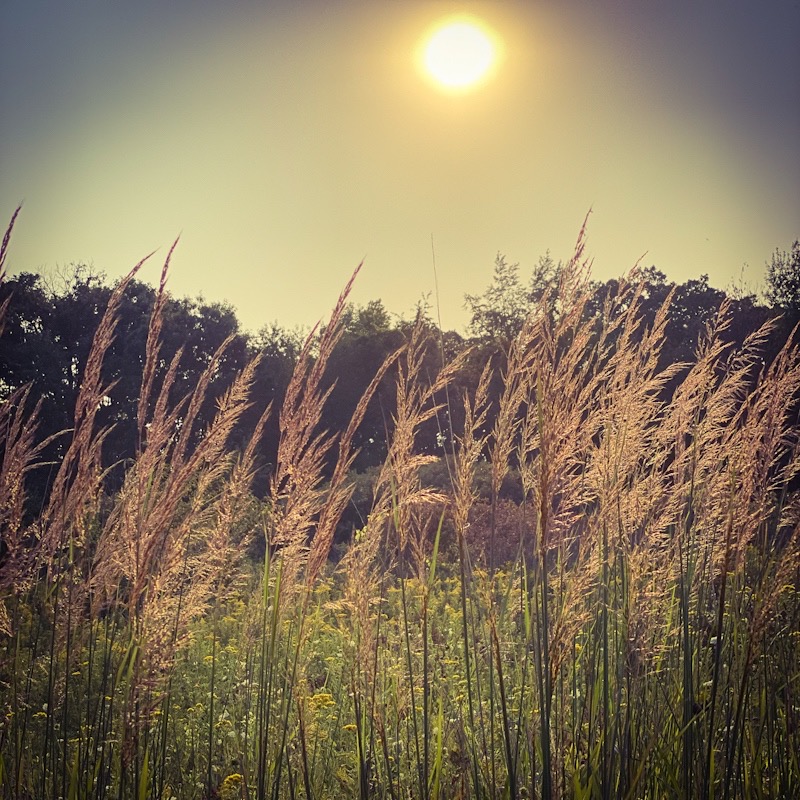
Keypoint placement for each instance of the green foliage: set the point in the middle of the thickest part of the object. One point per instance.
(49, 331)
(783, 279)
(498, 314)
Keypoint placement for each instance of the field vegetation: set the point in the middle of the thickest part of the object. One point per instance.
(586, 587)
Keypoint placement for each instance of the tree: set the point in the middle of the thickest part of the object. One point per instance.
(371, 319)
(499, 312)
(783, 280)
(544, 278)
(48, 335)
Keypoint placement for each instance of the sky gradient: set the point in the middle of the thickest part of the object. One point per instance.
(286, 141)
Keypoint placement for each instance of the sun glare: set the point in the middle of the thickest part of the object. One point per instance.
(459, 54)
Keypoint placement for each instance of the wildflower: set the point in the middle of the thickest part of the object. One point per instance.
(231, 787)
(321, 700)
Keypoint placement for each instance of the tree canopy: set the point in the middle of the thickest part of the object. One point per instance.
(49, 328)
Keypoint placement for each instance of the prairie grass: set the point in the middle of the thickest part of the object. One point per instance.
(644, 641)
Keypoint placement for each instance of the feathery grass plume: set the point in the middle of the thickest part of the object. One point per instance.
(527, 356)
(56, 545)
(3, 256)
(624, 497)
(303, 517)
(516, 381)
(140, 529)
(755, 563)
(554, 429)
(400, 518)
(399, 495)
(59, 537)
(362, 595)
(470, 446)
(20, 454)
(168, 548)
(630, 500)
(168, 487)
(77, 481)
(153, 346)
(413, 511)
(197, 570)
(339, 492)
(302, 521)
(591, 405)
(171, 503)
(296, 492)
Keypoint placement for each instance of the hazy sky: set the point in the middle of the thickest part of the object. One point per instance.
(286, 141)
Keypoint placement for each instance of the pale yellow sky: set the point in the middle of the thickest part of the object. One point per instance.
(286, 141)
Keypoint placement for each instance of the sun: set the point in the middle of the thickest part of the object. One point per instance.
(459, 53)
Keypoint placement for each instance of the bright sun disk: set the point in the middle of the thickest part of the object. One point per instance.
(459, 54)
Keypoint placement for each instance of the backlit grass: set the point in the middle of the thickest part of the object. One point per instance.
(643, 642)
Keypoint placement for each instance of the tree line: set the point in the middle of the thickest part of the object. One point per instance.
(50, 325)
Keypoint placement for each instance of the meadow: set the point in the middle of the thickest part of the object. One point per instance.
(629, 627)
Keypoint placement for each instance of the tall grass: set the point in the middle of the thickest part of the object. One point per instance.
(643, 642)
